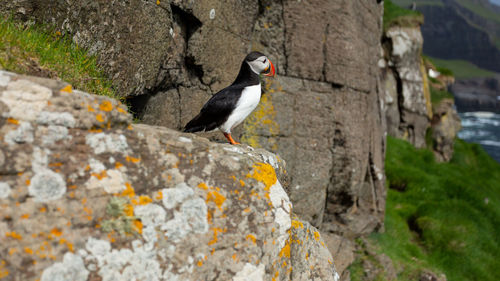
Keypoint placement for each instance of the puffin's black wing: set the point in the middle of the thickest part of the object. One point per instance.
(216, 111)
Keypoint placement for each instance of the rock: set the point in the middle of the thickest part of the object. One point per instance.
(342, 250)
(477, 94)
(407, 90)
(109, 200)
(431, 276)
(445, 127)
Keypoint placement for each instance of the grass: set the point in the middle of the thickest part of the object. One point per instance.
(42, 51)
(397, 16)
(442, 216)
(439, 95)
(462, 69)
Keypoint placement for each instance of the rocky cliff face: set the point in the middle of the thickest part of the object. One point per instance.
(322, 114)
(86, 195)
(407, 96)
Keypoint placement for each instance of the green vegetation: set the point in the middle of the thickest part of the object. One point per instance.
(461, 69)
(441, 216)
(479, 10)
(439, 95)
(397, 16)
(407, 3)
(42, 51)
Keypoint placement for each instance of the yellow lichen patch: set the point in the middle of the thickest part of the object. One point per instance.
(199, 263)
(138, 226)
(285, 252)
(25, 216)
(276, 274)
(215, 230)
(56, 232)
(158, 195)
(118, 165)
(90, 108)
(12, 251)
(12, 121)
(42, 210)
(128, 210)
(316, 235)
(106, 106)
(121, 110)
(129, 191)
(132, 159)
(99, 117)
(297, 224)
(130, 127)
(67, 89)
(242, 183)
(251, 237)
(14, 235)
(247, 210)
(142, 200)
(235, 257)
(100, 175)
(28, 250)
(217, 198)
(264, 173)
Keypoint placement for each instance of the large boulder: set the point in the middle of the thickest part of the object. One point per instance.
(445, 127)
(86, 195)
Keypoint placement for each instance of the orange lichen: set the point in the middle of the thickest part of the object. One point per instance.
(84, 201)
(128, 209)
(14, 235)
(159, 195)
(203, 185)
(251, 237)
(215, 230)
(87, 210)
(199, 263)
(118, 165)
(235, 257)
(90, 108)
(106, 106)
(28, 182)
(99, 117)
(247, 210)
(25, 216)
(132, 159)
(285, 251)
(121, 110)
(129, 127)
(56, 232)
(100, 175)
(12, 121)
(138, 226)
(242, 183)
(142, 200)
(28, 250)
(297, 224)
(217, 198)
(129, 191)
(67, 89)
(12, 251)
(316, 235)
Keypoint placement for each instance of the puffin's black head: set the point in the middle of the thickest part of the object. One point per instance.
(259, 63)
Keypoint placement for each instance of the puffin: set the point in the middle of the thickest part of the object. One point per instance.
(231, 105)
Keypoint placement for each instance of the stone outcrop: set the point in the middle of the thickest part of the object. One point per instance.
(323, 113)
(445, 127)
(477, 94)
(407, 96)
(86, 195)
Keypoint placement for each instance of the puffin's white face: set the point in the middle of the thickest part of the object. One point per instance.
(262, 65)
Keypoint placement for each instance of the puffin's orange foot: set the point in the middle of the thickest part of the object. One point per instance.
(230, 139)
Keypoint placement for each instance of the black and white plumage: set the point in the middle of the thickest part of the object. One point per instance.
(230, 106)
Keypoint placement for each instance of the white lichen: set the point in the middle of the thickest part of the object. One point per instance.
(65, 119)
(22, 94)
(112, 182)
(102, 143)
(46, 186)
(250, 272)
(5, 78)
(282, 211)
(212, 14)
(71, 268)
(4, 190)
(23, 134)
(173, 196)
(195, 213)
(55, 134)
(150, 214)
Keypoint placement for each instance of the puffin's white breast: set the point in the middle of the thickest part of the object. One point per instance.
(250, 98)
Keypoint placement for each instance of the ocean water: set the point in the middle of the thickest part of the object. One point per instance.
(482, 128)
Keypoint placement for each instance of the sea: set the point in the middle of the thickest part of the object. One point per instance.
(483, 128)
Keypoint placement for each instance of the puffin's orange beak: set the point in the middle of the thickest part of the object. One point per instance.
(270, 70)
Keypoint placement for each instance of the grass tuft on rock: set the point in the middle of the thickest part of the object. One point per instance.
(42, 51)
(397, 16)
(447, 218)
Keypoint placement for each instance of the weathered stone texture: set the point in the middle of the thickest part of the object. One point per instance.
(407, 90)
(445, 127)
(85, 195)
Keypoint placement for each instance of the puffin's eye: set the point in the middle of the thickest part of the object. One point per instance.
(264, 61)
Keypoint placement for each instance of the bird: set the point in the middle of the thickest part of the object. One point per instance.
(231, 105)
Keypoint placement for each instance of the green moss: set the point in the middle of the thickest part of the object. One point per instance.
(42, 51)
(442, 216)
(438, 95)
(117, 219)
(397, 16)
